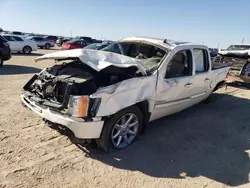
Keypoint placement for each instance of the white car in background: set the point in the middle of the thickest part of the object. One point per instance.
(20, 44)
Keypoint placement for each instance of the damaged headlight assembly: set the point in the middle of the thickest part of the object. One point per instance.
(83, 106)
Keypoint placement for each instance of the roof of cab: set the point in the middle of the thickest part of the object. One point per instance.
(167, 43)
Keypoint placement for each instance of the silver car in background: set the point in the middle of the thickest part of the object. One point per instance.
(42, 42)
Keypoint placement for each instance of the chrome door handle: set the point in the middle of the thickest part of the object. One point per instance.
(207, 80)
(188, 85)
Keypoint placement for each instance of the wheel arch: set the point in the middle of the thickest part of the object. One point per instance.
(144, 108)
(27, 46)
(219, 85)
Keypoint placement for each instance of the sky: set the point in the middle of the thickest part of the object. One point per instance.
(210, 22)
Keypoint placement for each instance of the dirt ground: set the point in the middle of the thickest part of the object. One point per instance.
(205, 146)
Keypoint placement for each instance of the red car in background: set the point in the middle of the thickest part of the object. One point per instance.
(74, 44)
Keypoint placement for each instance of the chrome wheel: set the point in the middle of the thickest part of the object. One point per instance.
(125, 130)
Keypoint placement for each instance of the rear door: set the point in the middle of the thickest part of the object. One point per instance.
(175, 83)
(202, 79)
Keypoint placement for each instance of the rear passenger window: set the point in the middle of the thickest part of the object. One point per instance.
(201, 60)
(180, 65)
(18, 39)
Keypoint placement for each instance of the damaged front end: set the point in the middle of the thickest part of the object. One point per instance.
(81, 93)
(66, 88)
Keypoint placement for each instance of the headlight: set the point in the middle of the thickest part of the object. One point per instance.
(78, 106)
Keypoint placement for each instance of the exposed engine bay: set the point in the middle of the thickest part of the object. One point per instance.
(53, 86)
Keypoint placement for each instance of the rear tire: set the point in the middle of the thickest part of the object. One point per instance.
(108, 140)
(27, 50)
(1, 61)
(47, 46)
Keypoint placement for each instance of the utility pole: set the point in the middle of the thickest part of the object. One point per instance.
(218, 47)
(242, 41)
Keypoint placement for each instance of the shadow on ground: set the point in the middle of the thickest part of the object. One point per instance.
(241, 85)
(32, 54)
(17, 69)
(207, 140)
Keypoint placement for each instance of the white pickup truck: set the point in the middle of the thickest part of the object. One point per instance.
(110, 95)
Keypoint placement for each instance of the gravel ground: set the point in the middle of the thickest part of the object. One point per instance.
(205, 146)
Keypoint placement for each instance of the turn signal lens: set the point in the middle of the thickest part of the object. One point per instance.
(82, 106)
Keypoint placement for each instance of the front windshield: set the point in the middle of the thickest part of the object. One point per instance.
(239, 47)
(149, 55)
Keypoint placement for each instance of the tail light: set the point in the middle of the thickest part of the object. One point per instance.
(68, 45)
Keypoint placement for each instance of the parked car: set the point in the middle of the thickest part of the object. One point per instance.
(16, 33)
(110, 95)
(52, 38)
(238, 56)
(42, 42)
(60, 41)
(20, 44)
(5, 53)
(97, 46)
(74, 44)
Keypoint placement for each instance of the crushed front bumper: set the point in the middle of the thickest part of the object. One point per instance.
(80, 128)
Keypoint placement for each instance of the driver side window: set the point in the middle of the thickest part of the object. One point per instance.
(180, 65)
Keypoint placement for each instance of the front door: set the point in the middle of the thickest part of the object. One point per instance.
(175, 83)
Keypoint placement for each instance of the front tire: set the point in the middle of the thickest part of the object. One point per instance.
(121, 129)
